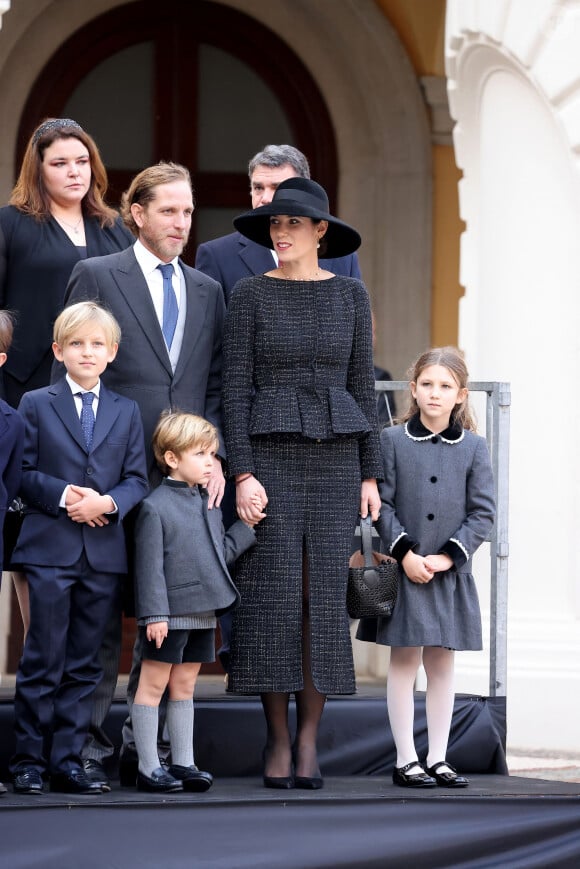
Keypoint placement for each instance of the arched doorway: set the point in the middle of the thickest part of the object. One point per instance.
(198, 83)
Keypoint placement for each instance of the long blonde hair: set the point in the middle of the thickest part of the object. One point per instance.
(452, 359)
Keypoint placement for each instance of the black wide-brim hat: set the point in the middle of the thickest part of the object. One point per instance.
(300, 197)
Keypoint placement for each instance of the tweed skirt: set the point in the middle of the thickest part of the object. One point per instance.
(313, 493)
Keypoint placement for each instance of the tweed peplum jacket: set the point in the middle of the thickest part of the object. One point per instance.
(298, 358)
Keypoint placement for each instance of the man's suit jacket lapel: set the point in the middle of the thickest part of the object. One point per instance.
(64, 405)
(107, 413)
(133, 286)
(257, 259)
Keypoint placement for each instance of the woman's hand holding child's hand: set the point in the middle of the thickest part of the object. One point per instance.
(251, 499)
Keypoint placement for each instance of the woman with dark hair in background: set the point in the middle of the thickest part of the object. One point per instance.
(56, 215)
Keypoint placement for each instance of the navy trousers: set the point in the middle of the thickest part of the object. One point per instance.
(59, 669)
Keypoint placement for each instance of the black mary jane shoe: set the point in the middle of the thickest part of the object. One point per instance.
(449, 778)
(159, 782)
(192, 778)
(405, 779)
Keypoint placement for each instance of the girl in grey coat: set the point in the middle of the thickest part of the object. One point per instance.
(437, 508)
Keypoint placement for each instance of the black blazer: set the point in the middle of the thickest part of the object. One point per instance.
(142, 369)
(36, 259)
(231, 257)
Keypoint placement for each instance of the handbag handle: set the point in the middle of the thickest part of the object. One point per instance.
(366, 547)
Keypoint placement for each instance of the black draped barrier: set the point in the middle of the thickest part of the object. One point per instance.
(355, 738)
(360, 819)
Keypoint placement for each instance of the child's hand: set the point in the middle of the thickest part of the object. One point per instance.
(74, 494)
(417, 568)
(156, 632)
(91, 509)
(439, 563)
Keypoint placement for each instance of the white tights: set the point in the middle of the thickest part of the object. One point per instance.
(439, 664)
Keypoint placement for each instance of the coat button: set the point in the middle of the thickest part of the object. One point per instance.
(434, 439)
(89, 470)
(433, 479)
(430, 516)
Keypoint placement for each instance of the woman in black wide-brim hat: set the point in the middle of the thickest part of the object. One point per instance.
(302, 443)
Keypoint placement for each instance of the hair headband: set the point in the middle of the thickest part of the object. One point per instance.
(55, 124)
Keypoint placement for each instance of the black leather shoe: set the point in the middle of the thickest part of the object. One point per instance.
(27, 780)
(74, 781)
(95, 773)
(309, 783)
(404, 779)
(449, 777)
(192, 778)
(159, 782)
(128, 767)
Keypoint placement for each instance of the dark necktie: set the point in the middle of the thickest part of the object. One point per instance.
(87, 417)
(170, 309)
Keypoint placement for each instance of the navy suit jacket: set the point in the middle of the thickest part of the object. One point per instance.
(55, 455)
(11, 445)
(231, 257)
(142, 370)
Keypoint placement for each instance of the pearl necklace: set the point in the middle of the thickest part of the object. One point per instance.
(75, 228)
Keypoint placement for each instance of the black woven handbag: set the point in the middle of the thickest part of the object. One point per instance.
(373, 579)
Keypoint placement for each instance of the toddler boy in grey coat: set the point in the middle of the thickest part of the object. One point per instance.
(182, 582)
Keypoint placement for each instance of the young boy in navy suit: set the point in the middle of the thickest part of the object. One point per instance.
(11, 431)
(83, 469)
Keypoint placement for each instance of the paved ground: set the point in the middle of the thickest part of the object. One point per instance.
(544, 765)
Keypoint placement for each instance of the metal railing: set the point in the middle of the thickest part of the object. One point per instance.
(497, 431)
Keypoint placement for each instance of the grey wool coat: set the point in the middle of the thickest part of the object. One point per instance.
(437, 496)
(176, 571)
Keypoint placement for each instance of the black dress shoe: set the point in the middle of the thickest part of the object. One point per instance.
(95, 773)
(74, 781)
(192, 778)
(309, 783)
(27, 780)
(405, 779)
(449, 777)
(159, 782)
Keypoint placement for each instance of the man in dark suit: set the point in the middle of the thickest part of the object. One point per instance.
(231, 257)
(157, 371)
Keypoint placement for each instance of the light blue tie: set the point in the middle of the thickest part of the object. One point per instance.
(170, 309)
(87, 417)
